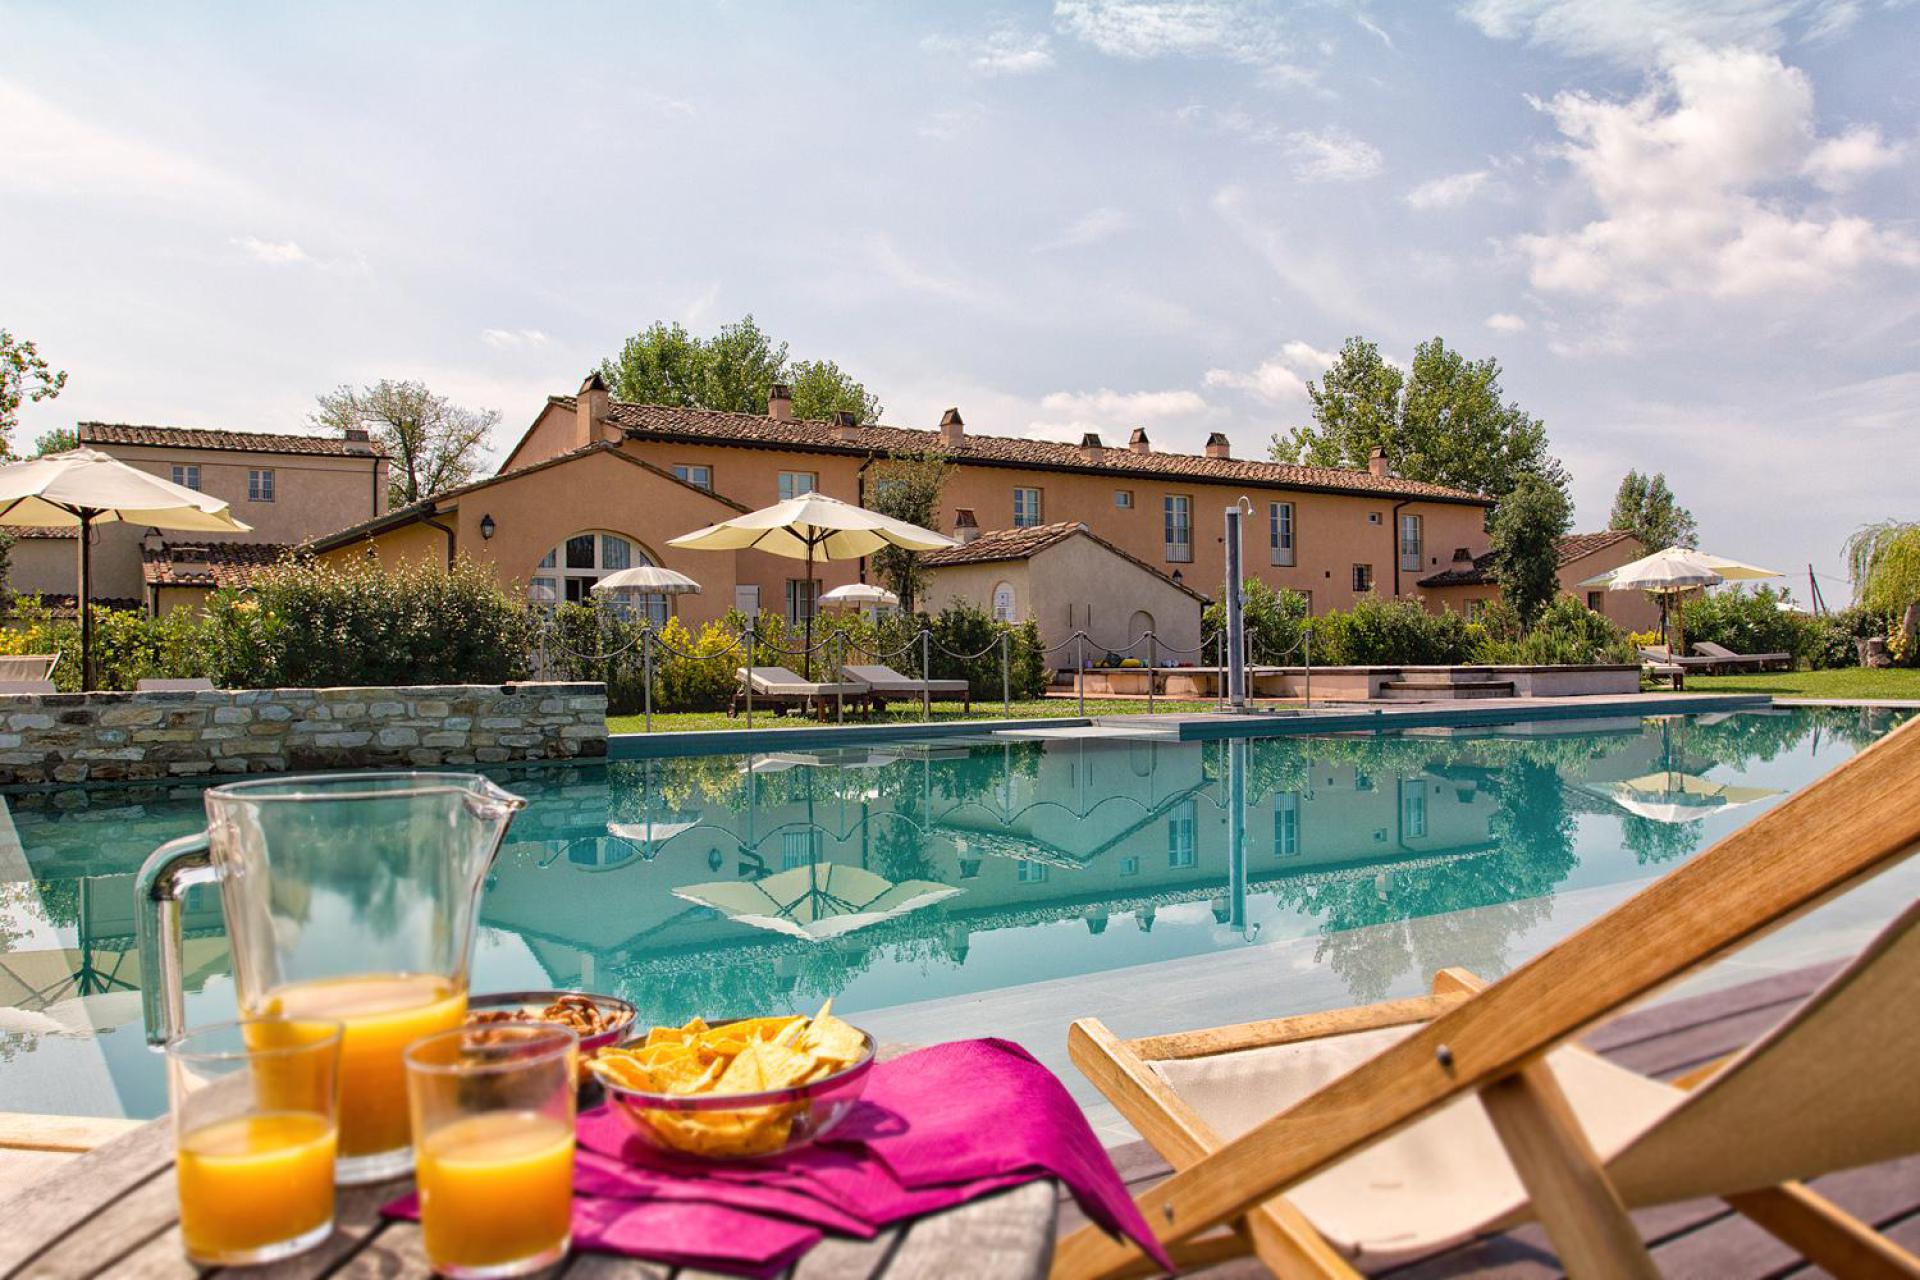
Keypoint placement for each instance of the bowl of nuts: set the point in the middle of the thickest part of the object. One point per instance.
(598, 1020)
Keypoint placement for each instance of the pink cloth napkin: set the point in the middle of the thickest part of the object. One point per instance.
(934, 1129)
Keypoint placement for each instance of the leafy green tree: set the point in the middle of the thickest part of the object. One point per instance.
(906, 487)
(58, 440)
(1274, 620)
(1444, 421)
(1527, 528)
(1884, 562)
(25, 377)
(731, 371)
(432, 443)
(1646, 508)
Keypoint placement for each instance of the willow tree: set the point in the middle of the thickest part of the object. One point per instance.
(1884, 562)
(907, 487)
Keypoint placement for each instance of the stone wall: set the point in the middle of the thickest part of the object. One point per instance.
(114, 737)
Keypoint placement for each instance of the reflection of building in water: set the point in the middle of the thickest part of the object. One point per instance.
(1076, 831)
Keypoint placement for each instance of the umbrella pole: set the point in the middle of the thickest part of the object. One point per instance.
(806, 598)
(86, 601)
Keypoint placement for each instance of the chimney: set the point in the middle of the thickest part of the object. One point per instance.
(591, 407)
(1138, 441)
(1462, 555)
(1377, 462)
(965, 527)
(359, 440)
(1090, 446)
(843, 424)
(1217, 446)
(952, 430)
(780, 402)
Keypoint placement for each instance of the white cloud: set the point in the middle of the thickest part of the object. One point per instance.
(277, 253)
(1842, 160)
(1142, 29)
(1506, 322)
(1634, 32)
(1449, 192)
(514, 339)
(1090, 228)
(887, 259)
(1373, 28)
(949, 123)
(1004, 51)
(1324, 277)
(1279, 379)
(1686, 178)
(1123, 405)
(1331, 155)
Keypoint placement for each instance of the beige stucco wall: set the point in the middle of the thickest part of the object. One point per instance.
(313, 494)
(600, 493)
(1629, 610)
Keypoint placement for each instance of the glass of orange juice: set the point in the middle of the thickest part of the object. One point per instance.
(256, 1123)
(493, 1111)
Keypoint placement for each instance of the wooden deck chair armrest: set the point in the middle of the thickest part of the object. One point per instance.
(1291, 1030)
(1854, 822)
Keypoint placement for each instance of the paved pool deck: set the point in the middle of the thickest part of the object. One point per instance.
(1190, 726)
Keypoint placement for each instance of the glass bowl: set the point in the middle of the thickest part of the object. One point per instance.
(619, 1013)
(742, 1126)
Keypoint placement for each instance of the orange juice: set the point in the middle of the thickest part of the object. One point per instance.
(382, 1014)
(254, 1182)
(495, 1188)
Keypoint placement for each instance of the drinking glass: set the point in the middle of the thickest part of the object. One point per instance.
(256, 1126)
(493, 1111)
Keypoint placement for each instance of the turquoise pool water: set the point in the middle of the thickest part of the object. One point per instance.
(975, 886)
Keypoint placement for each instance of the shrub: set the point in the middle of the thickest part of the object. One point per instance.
(963, 628)
(128, 646)
(702, 683)
(1567, 633)
(1274, 620)
(1831, 639)
(313, 623)
(1389, 633)
(1745, 621)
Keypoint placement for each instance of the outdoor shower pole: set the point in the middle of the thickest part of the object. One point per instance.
(1236, 638)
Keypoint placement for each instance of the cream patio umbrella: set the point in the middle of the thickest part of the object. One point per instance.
(648, 580)
(860, 594)
(1672, 796)
(1674, 570)
(813, 527)
(85, 487)
(819, 901)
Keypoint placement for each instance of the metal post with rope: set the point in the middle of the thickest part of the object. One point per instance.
(1006, 675)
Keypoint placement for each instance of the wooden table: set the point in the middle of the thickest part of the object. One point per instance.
(114, 1212)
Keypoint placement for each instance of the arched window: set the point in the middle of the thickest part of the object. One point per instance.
(568, 572)
(1003, 602)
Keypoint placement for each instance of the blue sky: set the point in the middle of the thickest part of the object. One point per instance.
(1685, 227)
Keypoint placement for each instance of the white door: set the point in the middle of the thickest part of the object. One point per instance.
(747, 600)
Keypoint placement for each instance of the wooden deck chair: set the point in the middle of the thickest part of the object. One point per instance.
(1734, 661)
(28, 666)
(779, 686)
(884, 682)
(1466, 1110)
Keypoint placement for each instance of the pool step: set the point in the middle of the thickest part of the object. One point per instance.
(1440, 689)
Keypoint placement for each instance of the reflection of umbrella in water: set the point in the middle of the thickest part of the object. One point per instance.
(818, 901)
(1672, 796)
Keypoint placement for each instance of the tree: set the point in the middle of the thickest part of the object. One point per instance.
(58, 440)
(731, 371)
(1646, 508)
(907, 487)
(432, 444)
(1444, 421)
(1884, 562)
(25, 377)
(1527, 528)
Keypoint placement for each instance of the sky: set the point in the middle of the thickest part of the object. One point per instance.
(1686, 228)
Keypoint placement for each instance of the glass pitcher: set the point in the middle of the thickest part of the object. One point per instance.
(350, 897)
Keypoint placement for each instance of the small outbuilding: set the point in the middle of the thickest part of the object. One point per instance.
(1066, 578)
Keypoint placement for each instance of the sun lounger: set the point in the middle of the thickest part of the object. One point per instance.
(887, 683)
(779, 686)
(1395, 1129)
(27, 686)
(27, 666)
(163, 684)
(1660, 655)
(1731, 661)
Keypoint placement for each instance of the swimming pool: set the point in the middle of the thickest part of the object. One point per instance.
(989, 885)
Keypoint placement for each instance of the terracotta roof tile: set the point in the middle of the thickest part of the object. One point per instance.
(1021, 544)
(209, 564)
(239, 441)
(68, 532)
(646, 421)
(1571, 548)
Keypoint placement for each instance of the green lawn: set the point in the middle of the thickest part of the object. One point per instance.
(1845, 682)
(909, 713)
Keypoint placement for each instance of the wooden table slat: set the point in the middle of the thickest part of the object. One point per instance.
(1016, 1242)
(37, 1217)
(843, 1259)
(143, 1213)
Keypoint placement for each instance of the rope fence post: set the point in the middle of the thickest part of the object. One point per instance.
(753, 646)
(1080, 670)
(1153, 663)
(926, 675)
(646, 663)
(1006, 675)
(1307, 639)
(839, 670)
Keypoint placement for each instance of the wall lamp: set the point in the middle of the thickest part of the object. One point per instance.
(487, 526)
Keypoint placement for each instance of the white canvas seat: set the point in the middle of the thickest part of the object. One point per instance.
(779, 682)
(168, 684)
(16, 667)
(886, 682)
(1727, 657)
